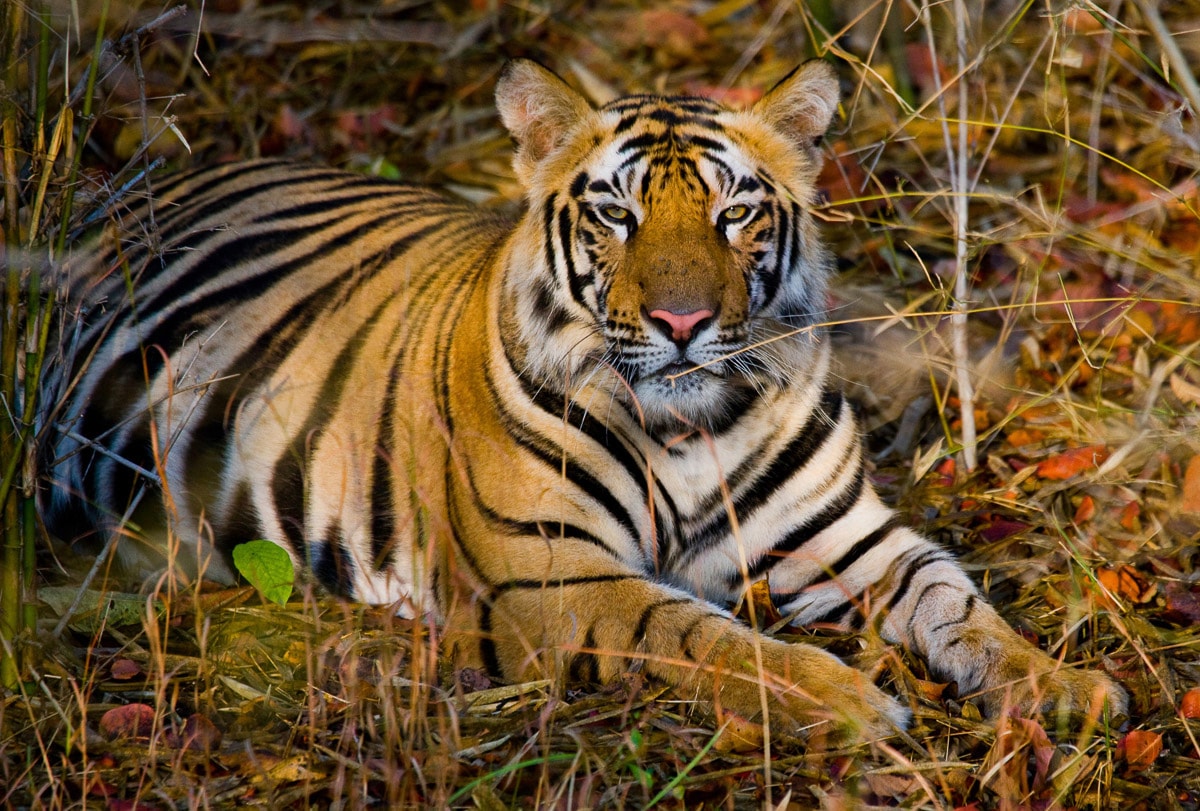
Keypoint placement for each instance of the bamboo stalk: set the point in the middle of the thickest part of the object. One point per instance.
(11, 536)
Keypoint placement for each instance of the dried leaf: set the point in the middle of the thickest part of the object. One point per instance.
(1018, 740)
(1139, 749)
(1071, 463)
(129, 721)
(1130, 514)
(759, 599)
(1019, 437)
(739, 735)
(1191, 487)
(198, 733)
(1127, 583)
(1085, 511)
(125, 669)
(473, 679)
(1180, 322)
(1183, 607)
(931, 690)
(116, 804)
(891, 786)
(1189, 705)
(1184, 389)
(997, 529)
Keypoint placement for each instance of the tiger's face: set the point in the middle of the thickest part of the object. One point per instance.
(675, 240)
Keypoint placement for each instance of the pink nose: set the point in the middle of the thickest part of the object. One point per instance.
(681, 324)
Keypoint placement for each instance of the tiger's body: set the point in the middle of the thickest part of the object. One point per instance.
(502, 424)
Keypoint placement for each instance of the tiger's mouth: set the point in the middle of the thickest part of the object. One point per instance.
(679, 368)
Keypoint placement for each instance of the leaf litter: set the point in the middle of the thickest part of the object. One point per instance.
(1081, 522)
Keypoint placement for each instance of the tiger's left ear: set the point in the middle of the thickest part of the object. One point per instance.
(802, 105)
(539, 109)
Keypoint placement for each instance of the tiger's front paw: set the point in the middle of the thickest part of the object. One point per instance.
(848, 709)
(1038, 683)
(814, 695)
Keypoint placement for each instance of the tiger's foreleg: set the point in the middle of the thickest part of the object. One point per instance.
(929, 604)
(606, 629)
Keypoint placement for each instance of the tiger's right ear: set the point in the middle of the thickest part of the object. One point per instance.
(539, 109)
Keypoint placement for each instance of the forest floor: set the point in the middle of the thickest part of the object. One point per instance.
(1074, 212)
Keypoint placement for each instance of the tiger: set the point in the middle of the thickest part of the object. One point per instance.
(574, 437)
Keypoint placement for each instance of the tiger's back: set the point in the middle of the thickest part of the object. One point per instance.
(573, 438)
(269, 321)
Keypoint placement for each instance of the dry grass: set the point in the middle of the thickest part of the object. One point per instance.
(1051, 162)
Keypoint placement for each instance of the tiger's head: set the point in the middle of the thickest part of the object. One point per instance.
(668, 240)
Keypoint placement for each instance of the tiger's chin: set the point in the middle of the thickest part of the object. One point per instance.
(672, 402)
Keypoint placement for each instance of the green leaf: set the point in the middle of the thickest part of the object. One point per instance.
(267, 567)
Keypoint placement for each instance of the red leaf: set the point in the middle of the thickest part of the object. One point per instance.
(1019, 437)
(1191, 487)
(125, 669)
(129, 721)
(1129, 516)
(129, 805)
(1183, 608)
(1189, 705)
(1085, 511)
(1072, 462)
(1000, 528)
(1140, 749)
(1126, 582)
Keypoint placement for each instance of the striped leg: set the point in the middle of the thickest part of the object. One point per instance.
(940, 615)
(609, 626)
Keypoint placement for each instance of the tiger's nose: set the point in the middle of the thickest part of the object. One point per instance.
(681, 325)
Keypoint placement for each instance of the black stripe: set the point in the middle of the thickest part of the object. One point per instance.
(772, 277)
(333, 564)
(968, 607)
(383, 519)
(174, 220)
(209, 309)
(579, 184)
(860, 548)
(835, 615)
(553, 455)
(585, 665)
(912, 618)
(707, 143)
(640, 142)
(575, 281)
(910, 571)
(643, 623)
(748, 183)
(805, 532)
(242, 522)
(487, 645)
(287, 478)
(787, 464)
(522, 584)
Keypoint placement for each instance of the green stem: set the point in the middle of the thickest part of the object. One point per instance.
(10, 451)
(10, 527)
(84, 120)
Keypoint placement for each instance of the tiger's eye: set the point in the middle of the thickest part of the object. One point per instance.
(735, 213)
(615, 213)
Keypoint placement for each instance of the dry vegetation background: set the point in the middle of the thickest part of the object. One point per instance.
(1070, 202)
